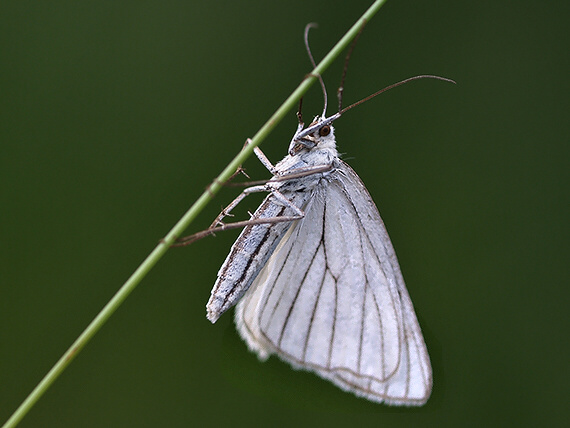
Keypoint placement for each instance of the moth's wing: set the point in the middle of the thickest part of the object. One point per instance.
(290, 259)
(411, 382)
(332, 300)
(250, 252)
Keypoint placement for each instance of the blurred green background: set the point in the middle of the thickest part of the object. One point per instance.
(114, 116)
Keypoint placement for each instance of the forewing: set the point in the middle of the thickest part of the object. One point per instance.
(332, 300)
(250, 252)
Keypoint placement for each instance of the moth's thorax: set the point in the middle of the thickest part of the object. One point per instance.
(312, 158)
(324, 153)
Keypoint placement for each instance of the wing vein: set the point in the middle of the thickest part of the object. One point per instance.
(313, 312)
(287, 317)
(273, 286)
(313, 315)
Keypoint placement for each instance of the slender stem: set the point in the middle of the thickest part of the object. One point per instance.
(183, 223)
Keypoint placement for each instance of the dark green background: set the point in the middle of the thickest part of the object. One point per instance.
(114, 116)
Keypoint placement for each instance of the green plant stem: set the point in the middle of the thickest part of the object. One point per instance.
(185, 221)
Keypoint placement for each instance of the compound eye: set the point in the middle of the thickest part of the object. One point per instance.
(324, 131)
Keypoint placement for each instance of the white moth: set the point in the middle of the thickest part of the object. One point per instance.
(316, 276)
(323, 290)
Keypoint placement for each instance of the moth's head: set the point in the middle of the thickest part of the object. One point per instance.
(318, 135)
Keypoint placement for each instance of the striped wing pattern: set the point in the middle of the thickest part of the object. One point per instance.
(332, 300)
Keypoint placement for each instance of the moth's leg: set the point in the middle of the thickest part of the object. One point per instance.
(227, 210)
(299, 172)
(262, 158)
(290, 175)
(256, 189)
(217, 225)
(302, 172)
(239, 171)
(283, 199)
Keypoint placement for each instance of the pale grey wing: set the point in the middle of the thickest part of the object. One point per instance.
(250, 252)
(282, 274)
(332, 300)
(411, 383)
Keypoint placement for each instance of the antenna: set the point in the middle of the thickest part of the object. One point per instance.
(340, 89)
(393, 85)
(307, 28)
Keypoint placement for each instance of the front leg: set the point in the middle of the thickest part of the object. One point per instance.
(262, 158)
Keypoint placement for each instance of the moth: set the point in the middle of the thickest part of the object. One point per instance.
(316, 279)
